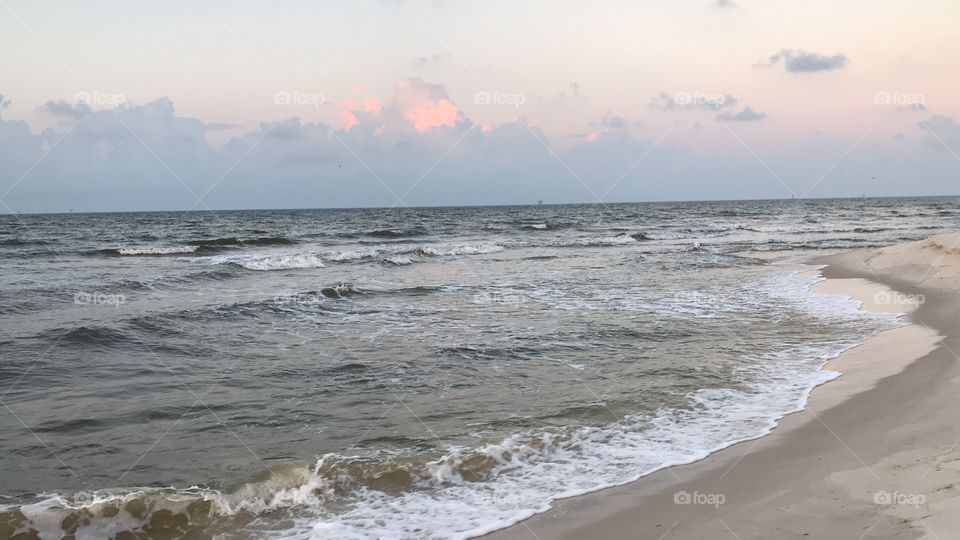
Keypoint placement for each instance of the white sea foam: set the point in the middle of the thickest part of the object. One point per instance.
(166, 250)
(573, 242)
(399, 260)
(478, 249)
(783, 288)
(536, 468)
(462, 249)
(351, 255)
(272, 262)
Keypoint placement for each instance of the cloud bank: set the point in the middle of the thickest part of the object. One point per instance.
(416, 147)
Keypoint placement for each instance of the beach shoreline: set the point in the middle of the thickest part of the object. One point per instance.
(874, 453)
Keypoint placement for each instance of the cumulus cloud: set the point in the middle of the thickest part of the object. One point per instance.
(414, 104)
(609, 125)
(614, 122)
(800, 61)
(745, 115)
(142, 157)
(131, 158)
(692, 101)
(65, 110)
(413, 148)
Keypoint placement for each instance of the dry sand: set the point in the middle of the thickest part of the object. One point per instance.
(875, 455)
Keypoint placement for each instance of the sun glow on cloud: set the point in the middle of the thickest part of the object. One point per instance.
(372, 105)
(414, 103)
(349, 120)
(432, 116)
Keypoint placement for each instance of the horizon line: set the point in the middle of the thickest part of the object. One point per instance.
(504, 205)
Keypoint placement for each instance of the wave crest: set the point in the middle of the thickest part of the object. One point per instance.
(266, 263)
(464, 249)
(148, 250)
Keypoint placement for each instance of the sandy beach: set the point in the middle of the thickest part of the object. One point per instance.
(875, 454)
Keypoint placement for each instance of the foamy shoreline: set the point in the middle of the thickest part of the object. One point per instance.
(592, 474)
(851, 464)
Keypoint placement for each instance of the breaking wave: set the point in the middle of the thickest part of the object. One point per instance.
(149, 250)
(266, 263)
(465, 249)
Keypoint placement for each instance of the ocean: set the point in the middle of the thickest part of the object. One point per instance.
(403, 373)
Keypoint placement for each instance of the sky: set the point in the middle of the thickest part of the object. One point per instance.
(220, 104)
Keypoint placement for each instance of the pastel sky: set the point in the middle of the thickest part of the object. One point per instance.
(195, 104)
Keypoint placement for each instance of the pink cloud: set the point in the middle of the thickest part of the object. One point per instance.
(433, 116)
(349, 120)
(414, 103)
(425, 106)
